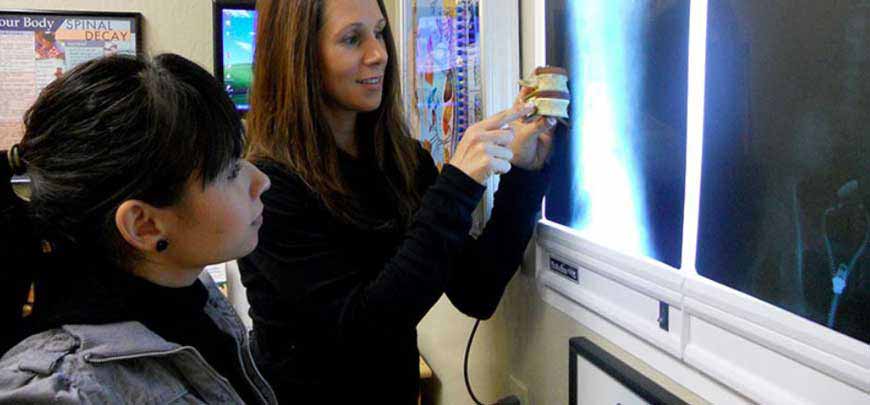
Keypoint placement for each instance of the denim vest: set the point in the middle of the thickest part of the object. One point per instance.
(126, 363)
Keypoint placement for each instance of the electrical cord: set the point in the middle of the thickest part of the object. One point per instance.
(465, 368)
(508, 400)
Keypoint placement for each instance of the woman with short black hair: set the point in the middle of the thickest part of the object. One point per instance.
(137, 183)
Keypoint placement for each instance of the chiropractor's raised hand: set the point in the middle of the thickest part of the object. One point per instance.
(533, 139)
(485, 147)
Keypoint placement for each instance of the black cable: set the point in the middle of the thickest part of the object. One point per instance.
(508, 400)
(467, 351)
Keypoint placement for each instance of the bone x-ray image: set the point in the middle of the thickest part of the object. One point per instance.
(620, 164)
(785, 215)
(785, 177)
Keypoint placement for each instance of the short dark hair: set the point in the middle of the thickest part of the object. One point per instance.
(120, 128)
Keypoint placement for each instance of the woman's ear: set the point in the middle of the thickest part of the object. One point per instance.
(139, 224)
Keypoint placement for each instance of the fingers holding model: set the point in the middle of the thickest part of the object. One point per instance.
(485, 147)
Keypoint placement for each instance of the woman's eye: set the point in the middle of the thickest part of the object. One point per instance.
(379, 34)
(351, 40)
(234, 171)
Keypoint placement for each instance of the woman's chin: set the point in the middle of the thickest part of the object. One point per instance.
(369, 105)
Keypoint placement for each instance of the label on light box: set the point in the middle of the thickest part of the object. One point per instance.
(564, 269)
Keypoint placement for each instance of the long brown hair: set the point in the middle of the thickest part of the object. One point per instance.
(287, 122)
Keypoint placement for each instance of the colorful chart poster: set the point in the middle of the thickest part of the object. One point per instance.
(36, 49)
(445, 72)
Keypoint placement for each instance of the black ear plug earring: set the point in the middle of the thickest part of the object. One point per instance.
(162, 245)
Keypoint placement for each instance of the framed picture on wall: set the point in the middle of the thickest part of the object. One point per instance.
(37, 47)
(598, 377)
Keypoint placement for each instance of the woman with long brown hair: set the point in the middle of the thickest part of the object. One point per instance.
(361, 234)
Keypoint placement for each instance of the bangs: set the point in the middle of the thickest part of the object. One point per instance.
(119, 128)
(204, 128)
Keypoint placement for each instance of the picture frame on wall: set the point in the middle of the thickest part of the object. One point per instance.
(38, 46)
(598, 377)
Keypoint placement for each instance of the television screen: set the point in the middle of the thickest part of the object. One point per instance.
(235, 25)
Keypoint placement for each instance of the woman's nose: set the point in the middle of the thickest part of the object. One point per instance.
(376, 54)
(260, 182)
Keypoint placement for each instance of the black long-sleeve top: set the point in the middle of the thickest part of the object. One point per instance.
(335, 306)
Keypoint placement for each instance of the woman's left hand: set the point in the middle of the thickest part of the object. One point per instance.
(533, 140)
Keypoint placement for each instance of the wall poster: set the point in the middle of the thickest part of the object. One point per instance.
(443, 72)
(36, 47)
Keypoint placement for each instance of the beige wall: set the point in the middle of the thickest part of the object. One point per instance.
(178, 26)
(526, 341)
(392, 10)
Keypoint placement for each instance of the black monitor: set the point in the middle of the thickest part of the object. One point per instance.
(235, 23)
